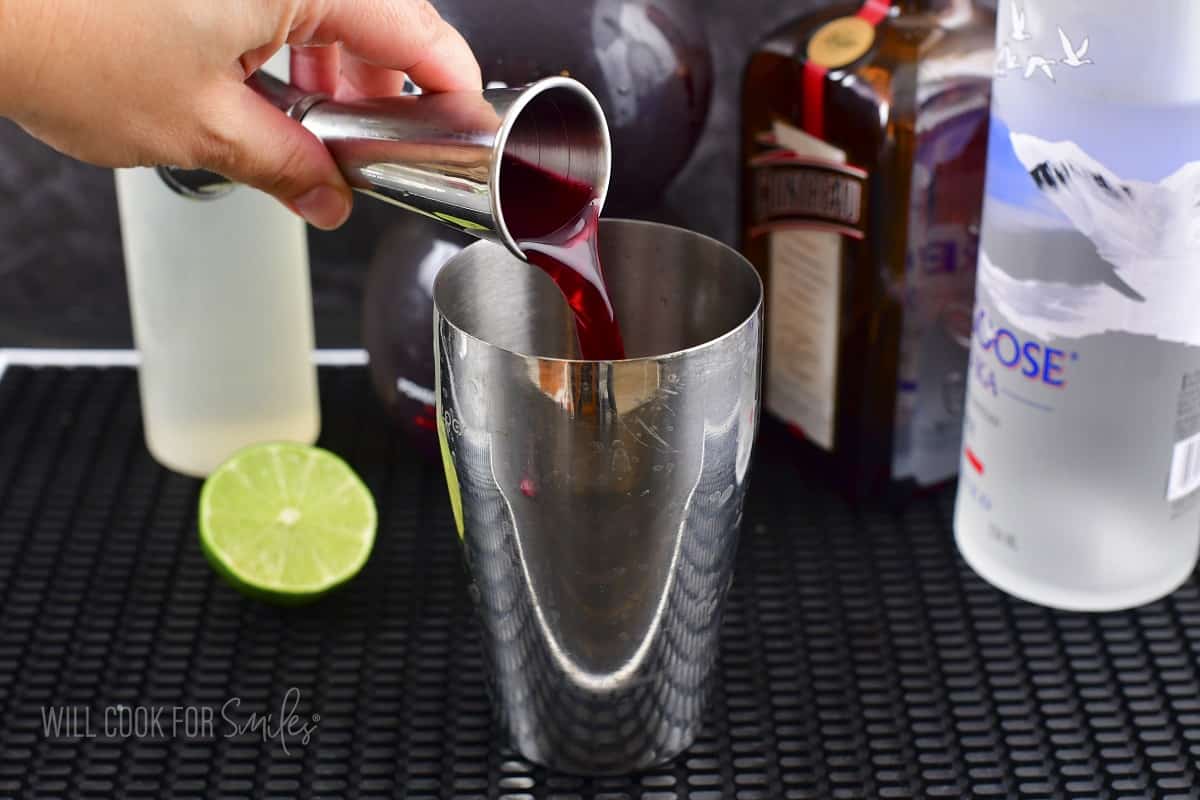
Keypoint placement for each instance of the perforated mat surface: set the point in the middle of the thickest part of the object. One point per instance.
(860, 657)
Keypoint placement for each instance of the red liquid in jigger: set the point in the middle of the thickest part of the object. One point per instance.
(540, 209)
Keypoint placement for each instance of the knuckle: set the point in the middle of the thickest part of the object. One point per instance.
(424, 26)
(218, 148)
(215, 141)
(225, 148)
(305, 20)
(285, 175)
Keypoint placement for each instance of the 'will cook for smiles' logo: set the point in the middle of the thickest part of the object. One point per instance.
(228, 721)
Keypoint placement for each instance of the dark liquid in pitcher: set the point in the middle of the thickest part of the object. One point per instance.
(540, 212)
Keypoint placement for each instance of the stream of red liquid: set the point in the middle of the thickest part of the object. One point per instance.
(540, 209)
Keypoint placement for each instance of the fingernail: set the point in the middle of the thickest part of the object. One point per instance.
(323, 207)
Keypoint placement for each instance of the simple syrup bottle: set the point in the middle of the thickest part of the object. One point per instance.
(222, 315)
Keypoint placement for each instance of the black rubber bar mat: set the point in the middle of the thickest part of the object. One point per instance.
(860, 657)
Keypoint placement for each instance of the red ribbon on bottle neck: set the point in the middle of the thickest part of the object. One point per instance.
(873, 12)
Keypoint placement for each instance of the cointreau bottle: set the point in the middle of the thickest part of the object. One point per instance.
(865, 138)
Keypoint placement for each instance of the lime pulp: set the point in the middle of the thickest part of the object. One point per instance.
(286, 522)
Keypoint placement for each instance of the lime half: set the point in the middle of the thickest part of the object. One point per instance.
(286, 522)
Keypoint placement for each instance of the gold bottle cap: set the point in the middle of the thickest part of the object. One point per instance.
(840, 42)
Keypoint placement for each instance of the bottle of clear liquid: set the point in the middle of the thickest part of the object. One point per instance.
(1081, 455)
(222, 313)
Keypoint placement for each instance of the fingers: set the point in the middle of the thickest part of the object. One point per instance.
(449, 67)
(405, 35)
(317, 68)
(252, 142)
(326, 69)
(362, 80)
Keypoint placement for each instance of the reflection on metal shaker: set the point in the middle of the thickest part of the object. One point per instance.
(599, 502)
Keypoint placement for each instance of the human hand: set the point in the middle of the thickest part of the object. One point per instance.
(125, 83)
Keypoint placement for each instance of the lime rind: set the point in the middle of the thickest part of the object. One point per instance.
(246, 506)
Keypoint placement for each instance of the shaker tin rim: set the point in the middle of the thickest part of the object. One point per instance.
(755, 313)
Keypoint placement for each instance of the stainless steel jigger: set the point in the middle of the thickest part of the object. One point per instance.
(441, 154)
(599, 503)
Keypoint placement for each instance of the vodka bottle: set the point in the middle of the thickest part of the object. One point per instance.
(1081, 455)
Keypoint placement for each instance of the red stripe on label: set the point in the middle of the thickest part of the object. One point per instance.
(775, 227)
(788, 158)
(973, 459)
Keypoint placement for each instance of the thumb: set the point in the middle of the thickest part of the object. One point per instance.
(257, 144)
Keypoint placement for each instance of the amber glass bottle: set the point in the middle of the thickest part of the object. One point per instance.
(864, 142)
